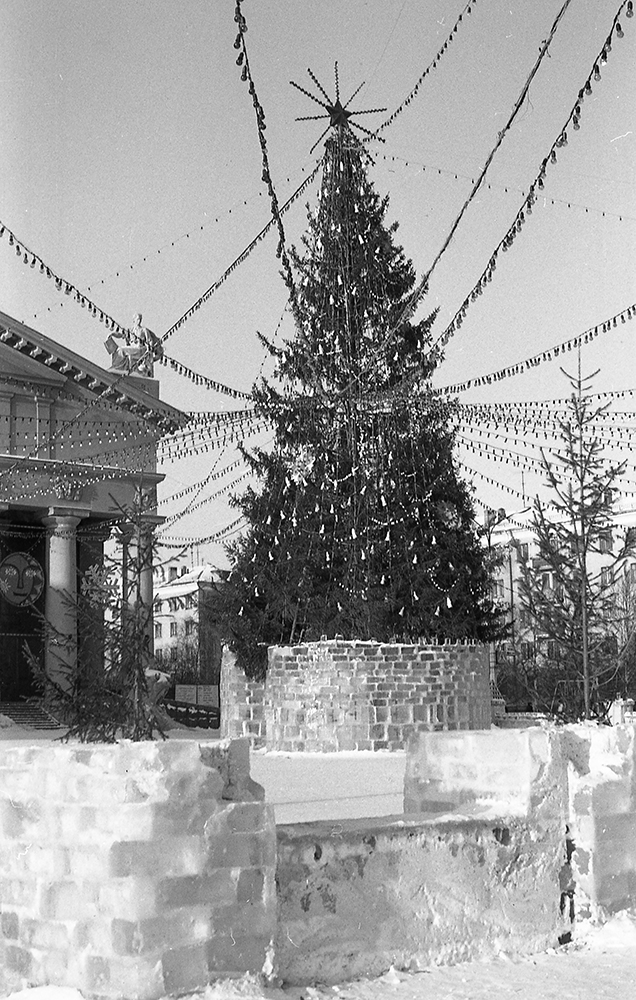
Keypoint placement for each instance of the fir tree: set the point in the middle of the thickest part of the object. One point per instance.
(571, 600)
(361, 526)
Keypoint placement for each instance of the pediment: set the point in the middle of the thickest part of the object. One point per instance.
(15, 365)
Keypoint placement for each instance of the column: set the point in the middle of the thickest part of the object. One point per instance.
(140, 582)
(60, 654)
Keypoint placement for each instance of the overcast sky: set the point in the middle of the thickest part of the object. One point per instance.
(131, 165)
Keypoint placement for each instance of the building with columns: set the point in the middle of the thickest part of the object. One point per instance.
(78, 447)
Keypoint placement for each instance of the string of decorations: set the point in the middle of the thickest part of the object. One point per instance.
(509, 456)
(33, 260)
(186, 510)
(189, 541)
(204, 431)
(173, 452)
(550, 406)
(198, 418)
(203, 380)
(492, 482)
(51, 438)
(550, 354)
(519, 434)
(530, 463)
(57, 472)
(243, 61)
(498, 454)
(209, 292)
(206, 500)
(543, 51)
(210, 478)
(421, 287)
(574, 118)
(276, 209)
(179, 239)
(442, 172)
(541, 427)
(467, 10)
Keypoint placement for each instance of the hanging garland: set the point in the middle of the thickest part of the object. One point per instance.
(246, 77)
(212, 477)
(68, 288)
(549, 355)
(467, 10)
(441, 172)
(189, 541)
(172, 452)
(241, 257)
(203, 503)
(574, 118)
(276, 209)
(422, 285)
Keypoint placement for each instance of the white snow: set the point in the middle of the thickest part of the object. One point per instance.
(600, 964)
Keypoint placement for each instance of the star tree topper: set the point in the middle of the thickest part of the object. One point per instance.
(337, 113)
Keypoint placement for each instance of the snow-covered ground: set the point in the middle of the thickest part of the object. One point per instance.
(601, 964)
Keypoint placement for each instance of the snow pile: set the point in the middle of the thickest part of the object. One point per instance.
(600, 959)
(618, 932)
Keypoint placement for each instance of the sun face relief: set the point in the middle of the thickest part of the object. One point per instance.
(21, 579)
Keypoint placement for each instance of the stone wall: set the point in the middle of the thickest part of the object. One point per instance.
(337, 695)
(358, 897)
(133, 870)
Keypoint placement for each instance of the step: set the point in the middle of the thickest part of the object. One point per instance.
(30, 716)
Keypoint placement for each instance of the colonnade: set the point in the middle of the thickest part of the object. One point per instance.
(61, 595)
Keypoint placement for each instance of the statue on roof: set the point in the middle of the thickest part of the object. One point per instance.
(141, 350)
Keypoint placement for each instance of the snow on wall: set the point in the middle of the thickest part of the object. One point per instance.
(508, 772)
(582, 777)
(335, 695)
(133, 870)
(358, 897)
(602, 805)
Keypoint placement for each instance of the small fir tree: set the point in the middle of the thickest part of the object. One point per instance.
(570, 600)
(107, 686)
(361, 525)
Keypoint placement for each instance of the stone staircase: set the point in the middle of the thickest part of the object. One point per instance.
(28, 715)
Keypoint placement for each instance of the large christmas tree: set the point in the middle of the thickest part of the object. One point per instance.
(361, 526)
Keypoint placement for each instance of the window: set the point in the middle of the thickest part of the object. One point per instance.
(527, 650)
(522, 552)
(173, 573)
(189, 627)
(158, 607)
(191, 602)
(173, 630)
(157, 630)
(546, 582)
(607, 577)
(552, 650)
(605, 541)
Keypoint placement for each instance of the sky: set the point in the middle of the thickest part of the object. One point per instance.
(131, 166)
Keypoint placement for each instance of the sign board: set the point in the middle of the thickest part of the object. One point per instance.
(208, 694)
(186, 692)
